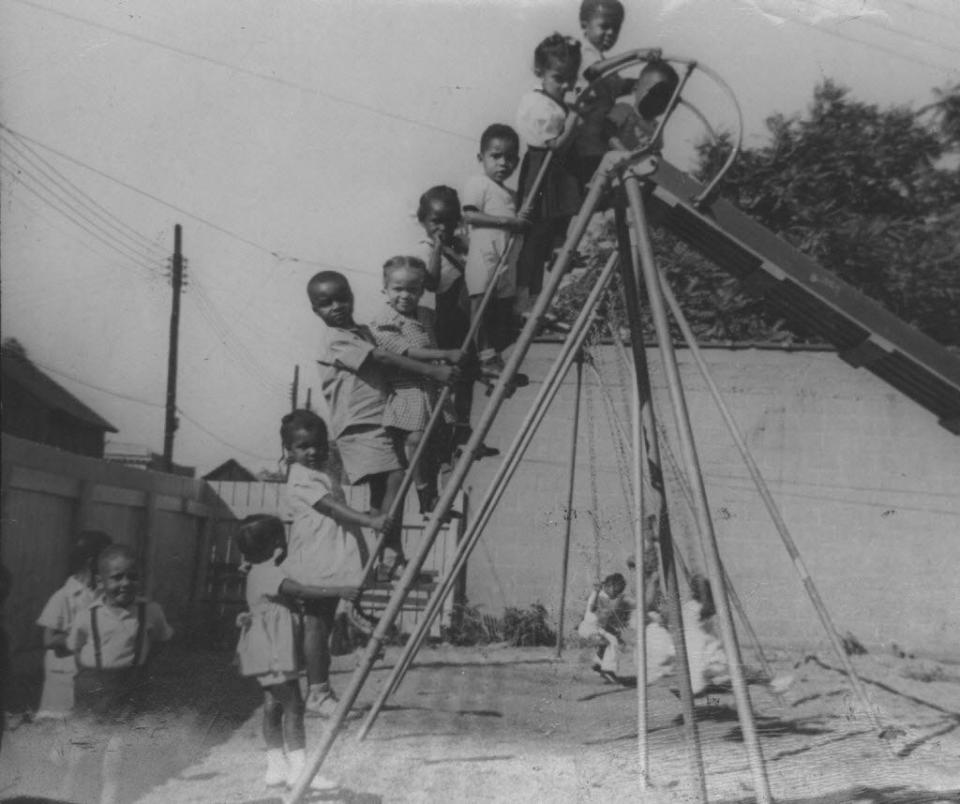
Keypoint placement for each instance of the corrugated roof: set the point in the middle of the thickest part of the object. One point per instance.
(21, 371)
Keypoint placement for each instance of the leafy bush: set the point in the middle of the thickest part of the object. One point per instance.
(528, 627)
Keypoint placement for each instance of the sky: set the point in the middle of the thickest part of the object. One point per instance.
(287, 138)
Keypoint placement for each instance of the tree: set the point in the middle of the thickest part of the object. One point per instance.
(871, 194)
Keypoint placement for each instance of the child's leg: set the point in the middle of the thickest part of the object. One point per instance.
(291, 703)
(316, 646)
(273, 728)
(483, 336)
(272, 717)
(383, 491)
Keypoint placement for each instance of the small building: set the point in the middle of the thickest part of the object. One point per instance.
(37, 408)
(231, 470)
(138, 456)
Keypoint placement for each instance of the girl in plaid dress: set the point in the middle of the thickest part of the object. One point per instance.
(398, 329)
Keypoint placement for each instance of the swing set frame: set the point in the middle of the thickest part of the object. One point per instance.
(626, 175)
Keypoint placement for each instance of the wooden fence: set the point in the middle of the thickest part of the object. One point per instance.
(49, 495)
(180, 528)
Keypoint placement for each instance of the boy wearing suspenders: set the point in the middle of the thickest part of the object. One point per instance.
(113, 638)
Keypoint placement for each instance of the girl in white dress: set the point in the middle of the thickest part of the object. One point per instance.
(269, 646)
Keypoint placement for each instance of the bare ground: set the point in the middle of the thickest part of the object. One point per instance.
(517, 725)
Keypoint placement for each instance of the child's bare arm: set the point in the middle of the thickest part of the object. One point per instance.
(56, 640)
(454, 357)
(432, 279)
(295, 589)
(512, 223)
(341, 512)
(441, 374)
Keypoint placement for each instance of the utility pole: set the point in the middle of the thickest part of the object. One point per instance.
(170, 422)
(295, 388)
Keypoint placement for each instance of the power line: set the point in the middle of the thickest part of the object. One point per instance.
(889, 51)
(215, 437)
(111, 259)
(279, 256)
(86, 384)
(68, 207)
(81, 196)
(888, 28)
(253, 73)
(139, 401)
(104, 238)
(931, 12)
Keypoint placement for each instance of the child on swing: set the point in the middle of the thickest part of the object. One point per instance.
(325, 544)
(411, 400)
(353, 376)
(542, 123)
(269, 645)
(608, 612)
(56, 619)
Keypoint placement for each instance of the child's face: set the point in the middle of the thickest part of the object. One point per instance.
(558, 79)
(602, 29)
(403, 287)
(120, 581)
(500, 159)
(307, 448)
(333, 302)
(441, 220)
(613, 589)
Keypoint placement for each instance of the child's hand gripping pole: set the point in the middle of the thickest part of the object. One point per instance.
(395, 514)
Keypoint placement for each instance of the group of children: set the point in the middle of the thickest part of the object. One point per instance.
(381, 382)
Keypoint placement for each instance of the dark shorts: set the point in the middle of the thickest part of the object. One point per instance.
(111, 694)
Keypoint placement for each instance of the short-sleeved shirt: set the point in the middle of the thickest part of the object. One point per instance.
(488, 244)
(65, 604)
(354, 386)
(320, 552)
(540, 118)
(118, 627)
(411, 397)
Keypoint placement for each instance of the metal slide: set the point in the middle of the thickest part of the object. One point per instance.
(865, 333)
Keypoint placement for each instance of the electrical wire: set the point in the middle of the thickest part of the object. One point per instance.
(888, 28)
(888, 50)
(102, 255)
(931, 12)
(274, 79)
(81, 197)
(139, 401)
(279, 256)
(225, 443)
(22, 175)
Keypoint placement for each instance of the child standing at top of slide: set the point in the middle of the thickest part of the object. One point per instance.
(76, 594)
(269, 646)
(323, 549)
(542, 125)
(353, 378)
(410, 403)
(600, 22)
(490, 208)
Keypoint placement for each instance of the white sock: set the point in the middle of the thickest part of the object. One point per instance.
(276, 767)
(297, 760)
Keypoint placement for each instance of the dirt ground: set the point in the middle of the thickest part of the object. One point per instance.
(518, 725)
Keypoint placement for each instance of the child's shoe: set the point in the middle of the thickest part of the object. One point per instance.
(297, 761)
(321, 702)
(277, 770)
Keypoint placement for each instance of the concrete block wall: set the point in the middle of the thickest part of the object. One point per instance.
(867, 481)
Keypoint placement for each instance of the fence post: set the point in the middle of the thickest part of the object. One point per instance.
(201, 565)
